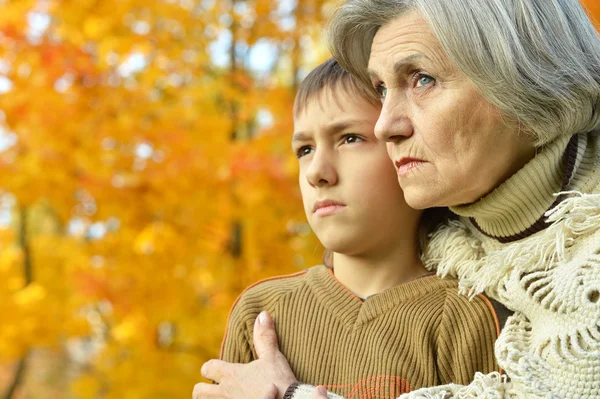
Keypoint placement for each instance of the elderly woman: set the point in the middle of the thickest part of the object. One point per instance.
(492, 108)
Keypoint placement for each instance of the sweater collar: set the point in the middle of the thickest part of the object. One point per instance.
(352, 312)
(516, 208)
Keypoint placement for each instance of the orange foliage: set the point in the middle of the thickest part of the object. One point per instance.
(593, 8)
(142, 188)
(145, 181)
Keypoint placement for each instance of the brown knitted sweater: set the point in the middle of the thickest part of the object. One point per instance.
(414, 335)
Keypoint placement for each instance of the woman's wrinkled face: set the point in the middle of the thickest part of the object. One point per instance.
(449, 145)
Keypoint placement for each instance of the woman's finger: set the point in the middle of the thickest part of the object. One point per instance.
(271, 393)
(217, 370)
(207, 391)
(265, 337)
(320, 393)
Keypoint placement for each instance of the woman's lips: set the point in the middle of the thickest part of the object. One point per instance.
(405, 165)
(327, 207)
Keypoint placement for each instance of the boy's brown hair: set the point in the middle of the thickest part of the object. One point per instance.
(330, 75)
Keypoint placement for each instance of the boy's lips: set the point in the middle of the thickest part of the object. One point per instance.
(327, 207)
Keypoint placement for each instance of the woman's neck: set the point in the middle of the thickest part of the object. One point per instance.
(516, 208)
(369, 274)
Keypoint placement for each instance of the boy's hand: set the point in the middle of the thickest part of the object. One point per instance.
(266, 378)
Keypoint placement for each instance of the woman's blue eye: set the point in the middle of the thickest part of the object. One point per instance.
(424, 80)
(381, 90)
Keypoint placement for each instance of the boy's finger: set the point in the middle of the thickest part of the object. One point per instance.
(265, 337)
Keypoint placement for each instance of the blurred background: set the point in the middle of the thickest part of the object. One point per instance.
(146, 178)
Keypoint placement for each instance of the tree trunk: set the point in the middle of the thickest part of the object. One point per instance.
(28, 272)
(19, 373)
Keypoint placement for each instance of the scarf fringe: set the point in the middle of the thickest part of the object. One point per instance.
(454, 251)
(484, 386)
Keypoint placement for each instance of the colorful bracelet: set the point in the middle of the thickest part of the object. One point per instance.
(289, 393)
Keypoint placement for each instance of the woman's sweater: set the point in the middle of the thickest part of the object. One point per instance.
(538, 253)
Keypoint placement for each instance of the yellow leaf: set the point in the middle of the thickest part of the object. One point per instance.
(29, 296)
(94, 28)
(86, 387)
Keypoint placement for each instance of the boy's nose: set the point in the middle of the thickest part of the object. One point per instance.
(321, 171)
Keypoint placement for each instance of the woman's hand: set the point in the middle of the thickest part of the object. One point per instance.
(320, 393)
(265, 378)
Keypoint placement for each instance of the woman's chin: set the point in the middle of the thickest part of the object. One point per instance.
(420, 198)
(428, 196)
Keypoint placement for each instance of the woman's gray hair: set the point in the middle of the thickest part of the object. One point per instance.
(537, 61)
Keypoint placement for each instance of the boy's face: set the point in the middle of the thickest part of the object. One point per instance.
(349, 185)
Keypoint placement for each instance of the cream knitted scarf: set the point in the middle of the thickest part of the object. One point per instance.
(534, 245)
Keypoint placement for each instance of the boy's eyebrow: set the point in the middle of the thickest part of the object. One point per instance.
(299, 136)
(401, 65)
(331, 129)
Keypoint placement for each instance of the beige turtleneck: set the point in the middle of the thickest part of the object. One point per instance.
(520, 202)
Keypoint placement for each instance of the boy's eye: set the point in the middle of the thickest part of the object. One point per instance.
(351, 138)
(302, 151)
(423, 80)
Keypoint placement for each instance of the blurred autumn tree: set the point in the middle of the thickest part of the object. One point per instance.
(593, 8)
(146, 179)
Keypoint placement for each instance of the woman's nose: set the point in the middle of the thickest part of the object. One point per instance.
(394, 123)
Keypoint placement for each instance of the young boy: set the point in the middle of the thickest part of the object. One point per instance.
(378, 322)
